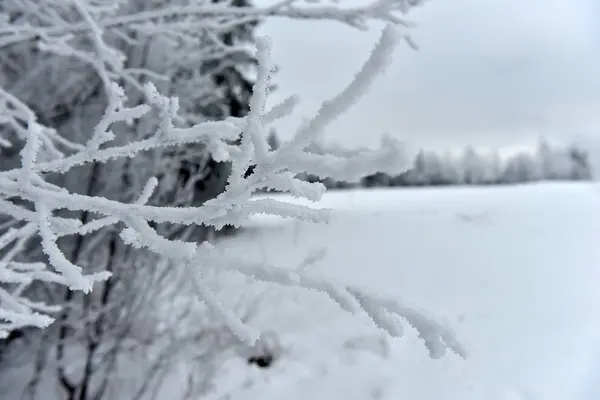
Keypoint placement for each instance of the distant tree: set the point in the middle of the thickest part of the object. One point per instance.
(345, 185)
(473, 168)
(402, 179)
(591, 144)
(556, 163)
(545, 154)
(434, 169)
(522, 167)
(379, 179)
(417, 175)
(580, 164)
(493, 168)
(450, 171)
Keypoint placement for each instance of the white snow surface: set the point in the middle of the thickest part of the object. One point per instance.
(515, 271)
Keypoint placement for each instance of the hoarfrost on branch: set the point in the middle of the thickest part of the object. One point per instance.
(45, 152)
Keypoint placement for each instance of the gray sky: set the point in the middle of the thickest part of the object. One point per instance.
(488, 73)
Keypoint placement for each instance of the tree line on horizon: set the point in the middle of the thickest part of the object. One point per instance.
(433, 168)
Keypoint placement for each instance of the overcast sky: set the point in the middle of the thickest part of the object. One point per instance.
(491, 73)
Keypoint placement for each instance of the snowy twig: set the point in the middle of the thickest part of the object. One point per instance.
(436, 335)
(384, 10)
(273, 169)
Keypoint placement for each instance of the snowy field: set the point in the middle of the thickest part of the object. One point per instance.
(515, 271)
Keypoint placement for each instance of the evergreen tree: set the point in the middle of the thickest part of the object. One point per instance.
(434, 169)
(493, 170)
(556, 164)
(522, 167)
(545, 154)
(580, 167)
(472, 166)
(450, 170)
(379, 179)
(418, 174)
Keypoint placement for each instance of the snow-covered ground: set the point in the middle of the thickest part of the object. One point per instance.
(514, 270)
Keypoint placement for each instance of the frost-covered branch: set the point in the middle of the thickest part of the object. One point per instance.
(437, 337)
(28, 197)
(89, 30)
(201, 14)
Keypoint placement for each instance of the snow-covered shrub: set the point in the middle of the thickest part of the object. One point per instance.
(166, 335)
(32, 201)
